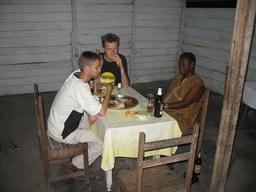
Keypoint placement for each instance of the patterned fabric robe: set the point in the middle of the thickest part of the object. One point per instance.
(176, 92)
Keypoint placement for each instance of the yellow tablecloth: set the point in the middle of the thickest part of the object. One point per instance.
(120, 134)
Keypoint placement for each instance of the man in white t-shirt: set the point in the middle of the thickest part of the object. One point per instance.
(68, 122)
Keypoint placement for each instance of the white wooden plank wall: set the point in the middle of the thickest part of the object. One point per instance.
(35, 40)
(156, 40)
(97, 18)
(208, 34)
(34, 45)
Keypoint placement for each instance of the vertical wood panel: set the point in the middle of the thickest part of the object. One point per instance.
(74, 37)
(240, 49)
(182, 21)
(133, 41)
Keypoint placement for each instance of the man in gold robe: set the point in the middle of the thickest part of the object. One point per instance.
(184, 96)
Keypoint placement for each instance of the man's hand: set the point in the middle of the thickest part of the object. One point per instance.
(97, 51)
(92, 119)
(101, 59)
(124, 77)
(109, 88)
(118, 61)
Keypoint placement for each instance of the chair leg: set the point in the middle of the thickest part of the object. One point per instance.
(118, 188)
(46, 173)
(86, 167)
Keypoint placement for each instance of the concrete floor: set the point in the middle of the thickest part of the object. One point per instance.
(21, 170)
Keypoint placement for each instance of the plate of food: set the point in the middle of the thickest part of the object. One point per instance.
(122, 102)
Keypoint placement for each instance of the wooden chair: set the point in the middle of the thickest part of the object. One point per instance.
(52, 152)
(243, 115)
(204, 108)
(153, 174)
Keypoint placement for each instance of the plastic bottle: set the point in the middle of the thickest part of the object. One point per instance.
(158, 112)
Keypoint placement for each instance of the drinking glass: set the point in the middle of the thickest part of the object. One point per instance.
(150, 102)
(99, 88)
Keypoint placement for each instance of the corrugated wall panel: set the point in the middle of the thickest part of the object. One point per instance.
(34, 45)
(208, 34)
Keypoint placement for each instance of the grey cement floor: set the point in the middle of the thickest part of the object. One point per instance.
(21, 171)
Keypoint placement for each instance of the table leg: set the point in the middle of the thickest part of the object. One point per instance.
(109, 180)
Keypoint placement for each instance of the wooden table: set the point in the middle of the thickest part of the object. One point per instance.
(120, 134)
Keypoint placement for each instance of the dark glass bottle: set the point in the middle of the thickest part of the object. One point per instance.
(158, 112)
(198, 164)
(197, 169)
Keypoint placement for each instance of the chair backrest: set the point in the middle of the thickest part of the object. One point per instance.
(190, 156)
(204, 108)
(225, 85)
(41, 126)
(36, 94)
(226, 76)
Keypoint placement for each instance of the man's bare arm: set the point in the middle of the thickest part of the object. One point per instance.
(193, 95)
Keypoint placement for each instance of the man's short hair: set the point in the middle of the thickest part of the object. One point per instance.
(191, 57)
(86, 58)
(110, 37)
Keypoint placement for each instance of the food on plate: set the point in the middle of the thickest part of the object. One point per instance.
(131, 113)
(121, 105)
(118, 102)
(135, 114)
(122, 102)
(130, 102)
(128, 113)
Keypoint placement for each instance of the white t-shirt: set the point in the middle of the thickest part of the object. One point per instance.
(73, 98)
